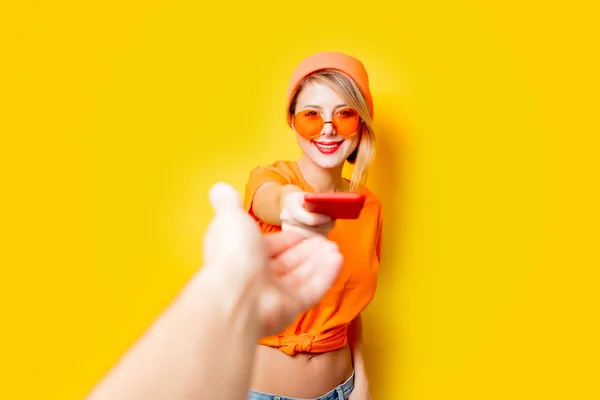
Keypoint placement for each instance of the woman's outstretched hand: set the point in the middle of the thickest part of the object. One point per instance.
(295, 218)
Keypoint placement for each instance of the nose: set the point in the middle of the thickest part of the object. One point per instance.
(327, 128)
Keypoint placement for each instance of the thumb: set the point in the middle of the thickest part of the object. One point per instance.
(224, 197)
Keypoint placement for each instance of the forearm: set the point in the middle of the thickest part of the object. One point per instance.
(356, 348)
(269, 201)
(285, 190)
(199, 348)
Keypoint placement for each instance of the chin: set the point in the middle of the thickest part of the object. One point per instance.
(326, 161)
(329, 165)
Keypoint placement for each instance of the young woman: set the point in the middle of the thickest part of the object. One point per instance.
(330, 109)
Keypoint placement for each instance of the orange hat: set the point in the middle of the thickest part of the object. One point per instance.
(351, 66)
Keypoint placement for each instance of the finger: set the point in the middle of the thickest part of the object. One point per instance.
(294, 203)
(325, 228)
(300, 214)
(284, 215)
(302, 230)
(305, 253)
(319, 278)
(224, 197)
(310, 231)
(293, 257)
(322, 261)
(308, 283)
(276, 243)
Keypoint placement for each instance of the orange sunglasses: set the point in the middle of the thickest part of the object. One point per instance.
(309, 123)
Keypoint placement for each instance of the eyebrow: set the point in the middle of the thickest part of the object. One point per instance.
(320, 108)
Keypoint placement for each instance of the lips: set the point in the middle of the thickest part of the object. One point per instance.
(328, 147)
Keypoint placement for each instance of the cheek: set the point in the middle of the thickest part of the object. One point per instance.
(303, 142)
(351, 145)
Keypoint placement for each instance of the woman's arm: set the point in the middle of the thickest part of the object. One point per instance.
(268, 201)
(361, 383)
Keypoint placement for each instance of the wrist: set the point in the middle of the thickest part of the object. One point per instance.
(285, 190)
(222, 331)
(361, 383)
(358, 363)
(359, 367)
(231, 300)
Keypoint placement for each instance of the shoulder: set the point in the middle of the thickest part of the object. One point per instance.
(283, 168)
(371, 198)
(281, 172)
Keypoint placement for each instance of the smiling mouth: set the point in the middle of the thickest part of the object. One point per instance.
(328, 147)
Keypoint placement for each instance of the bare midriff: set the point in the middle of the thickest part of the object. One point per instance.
(305, 375)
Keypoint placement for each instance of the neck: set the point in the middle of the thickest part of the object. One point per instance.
(322, 179)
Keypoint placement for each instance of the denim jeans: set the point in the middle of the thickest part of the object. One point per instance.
(341, 392)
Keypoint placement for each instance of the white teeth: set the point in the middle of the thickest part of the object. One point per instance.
(328, 146)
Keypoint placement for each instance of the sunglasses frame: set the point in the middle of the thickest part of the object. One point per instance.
(360, 122)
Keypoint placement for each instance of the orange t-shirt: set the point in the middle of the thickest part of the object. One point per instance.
(324, 327)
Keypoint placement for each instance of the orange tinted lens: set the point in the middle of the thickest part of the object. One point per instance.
(308, 123)
(346, 121)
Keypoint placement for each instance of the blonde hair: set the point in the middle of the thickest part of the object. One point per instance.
(343, 85)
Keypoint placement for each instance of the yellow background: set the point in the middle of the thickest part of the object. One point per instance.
(116, 117)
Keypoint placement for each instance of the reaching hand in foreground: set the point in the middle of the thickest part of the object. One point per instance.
(283, 273)
(251, 285)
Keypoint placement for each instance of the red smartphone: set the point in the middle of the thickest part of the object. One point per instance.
(338, 205)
